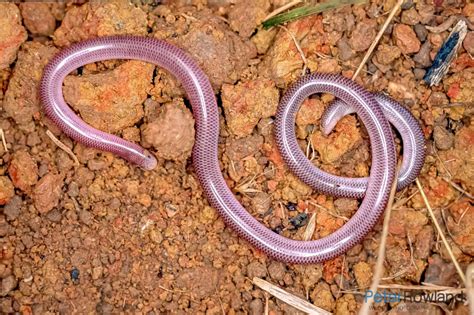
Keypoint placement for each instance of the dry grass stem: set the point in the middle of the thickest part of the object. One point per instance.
(289, 298)
(365, 309)
(2, 135)
(282, 8)
(440, 232)
(298, 47)
(62, 146)
(377, 38)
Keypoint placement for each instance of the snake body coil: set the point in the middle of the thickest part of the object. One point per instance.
(205, 151)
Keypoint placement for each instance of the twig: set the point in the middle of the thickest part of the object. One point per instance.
(282, 8)
(289, 298)
(2, 134)
(440, 231)
(458, 188)
(383, 241)
(328, 211)
(298, 47)
(62, 146)
(378, 37)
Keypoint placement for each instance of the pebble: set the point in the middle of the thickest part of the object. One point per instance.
(419, 73)
(422, 58)
(345, 50)
(95, 95)
(12, 33)
(23, 171)
(444, 139)
(38, 18)
(171, 134)
(8, 284)
(363, 274)
(47, 192)
(7, 190)
(410, 17)
(256, 269)
(363, 35)
(406, 39)
(322, 297)
(248, 102)
(12, 208)
(421, 32)
(256, 307)
(468, 43)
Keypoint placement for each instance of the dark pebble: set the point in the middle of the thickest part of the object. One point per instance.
(407, 5)
(419, 73)
(12, 209)
(421, 32)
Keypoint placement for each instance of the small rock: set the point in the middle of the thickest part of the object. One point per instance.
(440, 272)
(54, 215)
(245, 16)
(23, 171)
(47, 192)
(172, 133)
(100, 18)
(222, 60)
(261, 203)
(263, 39)
(424, 240)
(256, 307)
(21, 98)
(110, 101)
(406, 39)
(345, 138)
(444, 139)
(7, 191)
(8, 284)
(386, 54)
(422, 58)
(12, 208)
(74, 274)
(38, 18)
(419, 73)
(410, 17)
(322, 297)
(363, 35)
(421, 32)
(468, 43)
(12, 33)
(461, 225)
(256, 269)
(345, 50)
(363, 274)
(276, 270)
(246, 103)
(237, 149)
(310, 112)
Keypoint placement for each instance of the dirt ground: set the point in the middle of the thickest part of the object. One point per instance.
(103, 236)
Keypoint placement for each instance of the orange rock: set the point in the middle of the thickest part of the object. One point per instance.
(345, 138)
(38, 17)
(23, 171)
(21, 99)
(7, 190)
(171, 133)
(12, 33)
(100, 18)
(111, 101)
(310, 112)
(406, 39)
(246, 103)
(47, 192)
